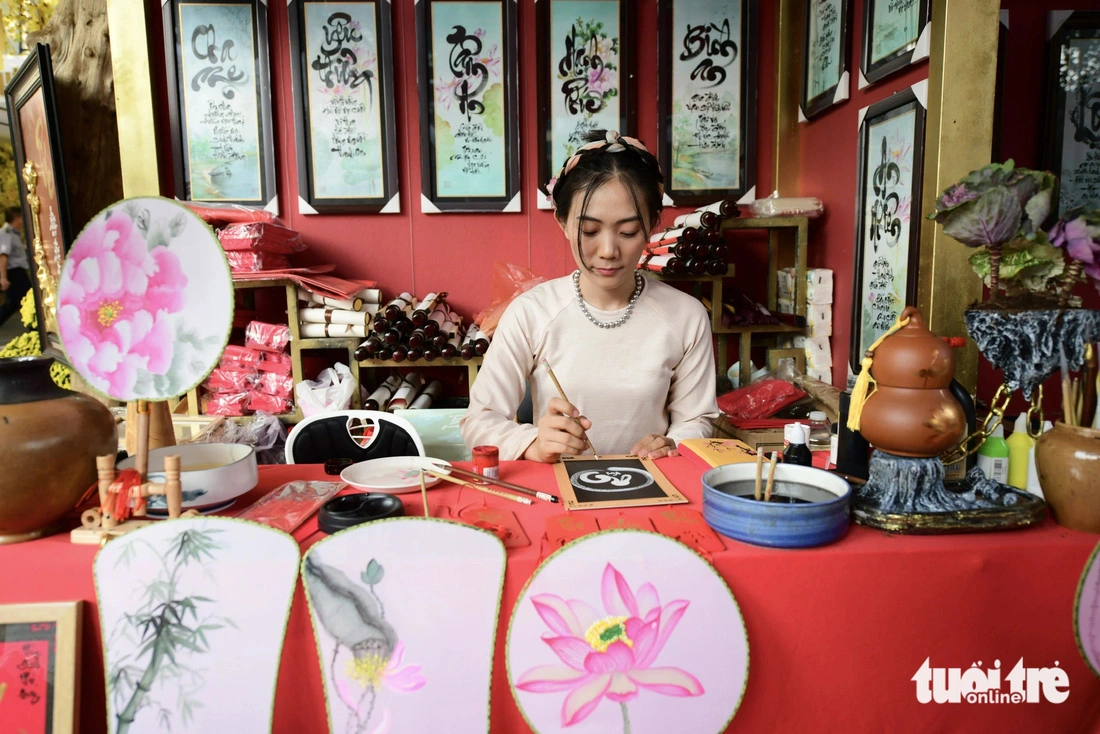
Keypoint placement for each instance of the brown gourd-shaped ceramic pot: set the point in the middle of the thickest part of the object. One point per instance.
(50, 438)
(911, 411)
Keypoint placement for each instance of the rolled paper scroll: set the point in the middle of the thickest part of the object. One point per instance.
(382, 394)
(725, 207)
(687, 234)
(335, 316)
(349, 304)
(424, 399)
(702, 219)
(405, 394)
(370, 295)
(322, 331)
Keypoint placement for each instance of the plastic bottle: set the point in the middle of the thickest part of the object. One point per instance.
(993, 456)
(797, 452)
(819, 431)
(1032, 470)
(1019, 443)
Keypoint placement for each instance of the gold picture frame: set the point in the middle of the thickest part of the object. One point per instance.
(617, 478)
(36, 694)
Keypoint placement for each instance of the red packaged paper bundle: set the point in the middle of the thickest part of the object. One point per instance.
(275, 363)
(224, 403)
(255, 262)
(241, 358)
(223, 380)
(268, 403)
(266, 337)
(261, 236)
(222, 213)
(278, 385)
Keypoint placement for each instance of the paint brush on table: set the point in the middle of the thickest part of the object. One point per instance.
(501, 483)
(562, 394)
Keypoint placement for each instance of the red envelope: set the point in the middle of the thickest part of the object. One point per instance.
(622, 521)
(688, 527)
(503, 523)
(566, 527)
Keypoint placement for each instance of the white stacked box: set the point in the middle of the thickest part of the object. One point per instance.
(818, 292)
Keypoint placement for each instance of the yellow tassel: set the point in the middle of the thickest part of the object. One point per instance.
(865, 384)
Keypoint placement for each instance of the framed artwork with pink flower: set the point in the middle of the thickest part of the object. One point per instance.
(585, 70)
(627, 631)
(468, 76)
(404, 614)
(145, 302)
(342, 72)
(40, 170)
(219, 100)
(888, 186)
(1086, 612)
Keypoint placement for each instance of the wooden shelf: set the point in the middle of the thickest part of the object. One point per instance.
(761, 329)
(795, 230)
(471, 365)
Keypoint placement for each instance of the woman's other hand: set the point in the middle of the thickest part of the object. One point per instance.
(558, 433)
(655, 446)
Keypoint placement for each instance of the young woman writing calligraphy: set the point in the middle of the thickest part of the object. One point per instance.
(633, 354)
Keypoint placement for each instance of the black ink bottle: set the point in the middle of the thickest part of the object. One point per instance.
(797, 452)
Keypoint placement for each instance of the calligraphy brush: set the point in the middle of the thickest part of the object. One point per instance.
(562, 393)
(501, 483)
(479, 487)
(1088, 385)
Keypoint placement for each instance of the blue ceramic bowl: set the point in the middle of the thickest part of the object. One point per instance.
(818, 514)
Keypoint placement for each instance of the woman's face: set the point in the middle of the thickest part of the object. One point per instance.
(612, 240)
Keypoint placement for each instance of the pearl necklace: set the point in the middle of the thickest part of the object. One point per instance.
(639, 281)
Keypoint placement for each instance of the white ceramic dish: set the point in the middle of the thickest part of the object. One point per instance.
(212, 473)
(394, 474)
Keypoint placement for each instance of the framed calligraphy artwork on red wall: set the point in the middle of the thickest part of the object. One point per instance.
(585, 57)
(219, 100)
(706, 99)
(469, 105)
(888, 210)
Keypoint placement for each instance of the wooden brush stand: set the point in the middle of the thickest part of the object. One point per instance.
(99, 525)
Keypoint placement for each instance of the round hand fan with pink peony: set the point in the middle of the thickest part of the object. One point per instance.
(145, 301)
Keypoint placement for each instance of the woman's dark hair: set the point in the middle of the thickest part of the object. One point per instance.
(636, 168)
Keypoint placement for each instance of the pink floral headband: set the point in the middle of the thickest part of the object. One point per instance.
(614, 143)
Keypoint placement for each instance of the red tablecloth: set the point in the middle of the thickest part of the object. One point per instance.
(835, 634)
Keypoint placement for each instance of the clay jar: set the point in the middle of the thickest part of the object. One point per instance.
(911, 411)
(1068, 461)
(50, 438)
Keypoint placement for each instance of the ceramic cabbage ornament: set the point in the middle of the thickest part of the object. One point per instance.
(145, 301)
(1002, 209)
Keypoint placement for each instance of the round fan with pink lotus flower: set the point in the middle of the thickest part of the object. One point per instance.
(629, 631)
(145, 301)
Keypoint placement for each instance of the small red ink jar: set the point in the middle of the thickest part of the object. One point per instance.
(487, 461)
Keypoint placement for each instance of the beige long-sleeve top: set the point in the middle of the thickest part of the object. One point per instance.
(653, 374)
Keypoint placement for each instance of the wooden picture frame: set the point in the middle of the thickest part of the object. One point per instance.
(826, 48)
(342, 75)
(891, 36)
(612, 470)
(585, 56)
(39, 661)
(706, 99)
(468, 77)
(43, 194)
(219, 101)
(888, 199)
(1072, 137)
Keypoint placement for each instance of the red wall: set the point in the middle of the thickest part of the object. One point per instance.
(456, 252)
